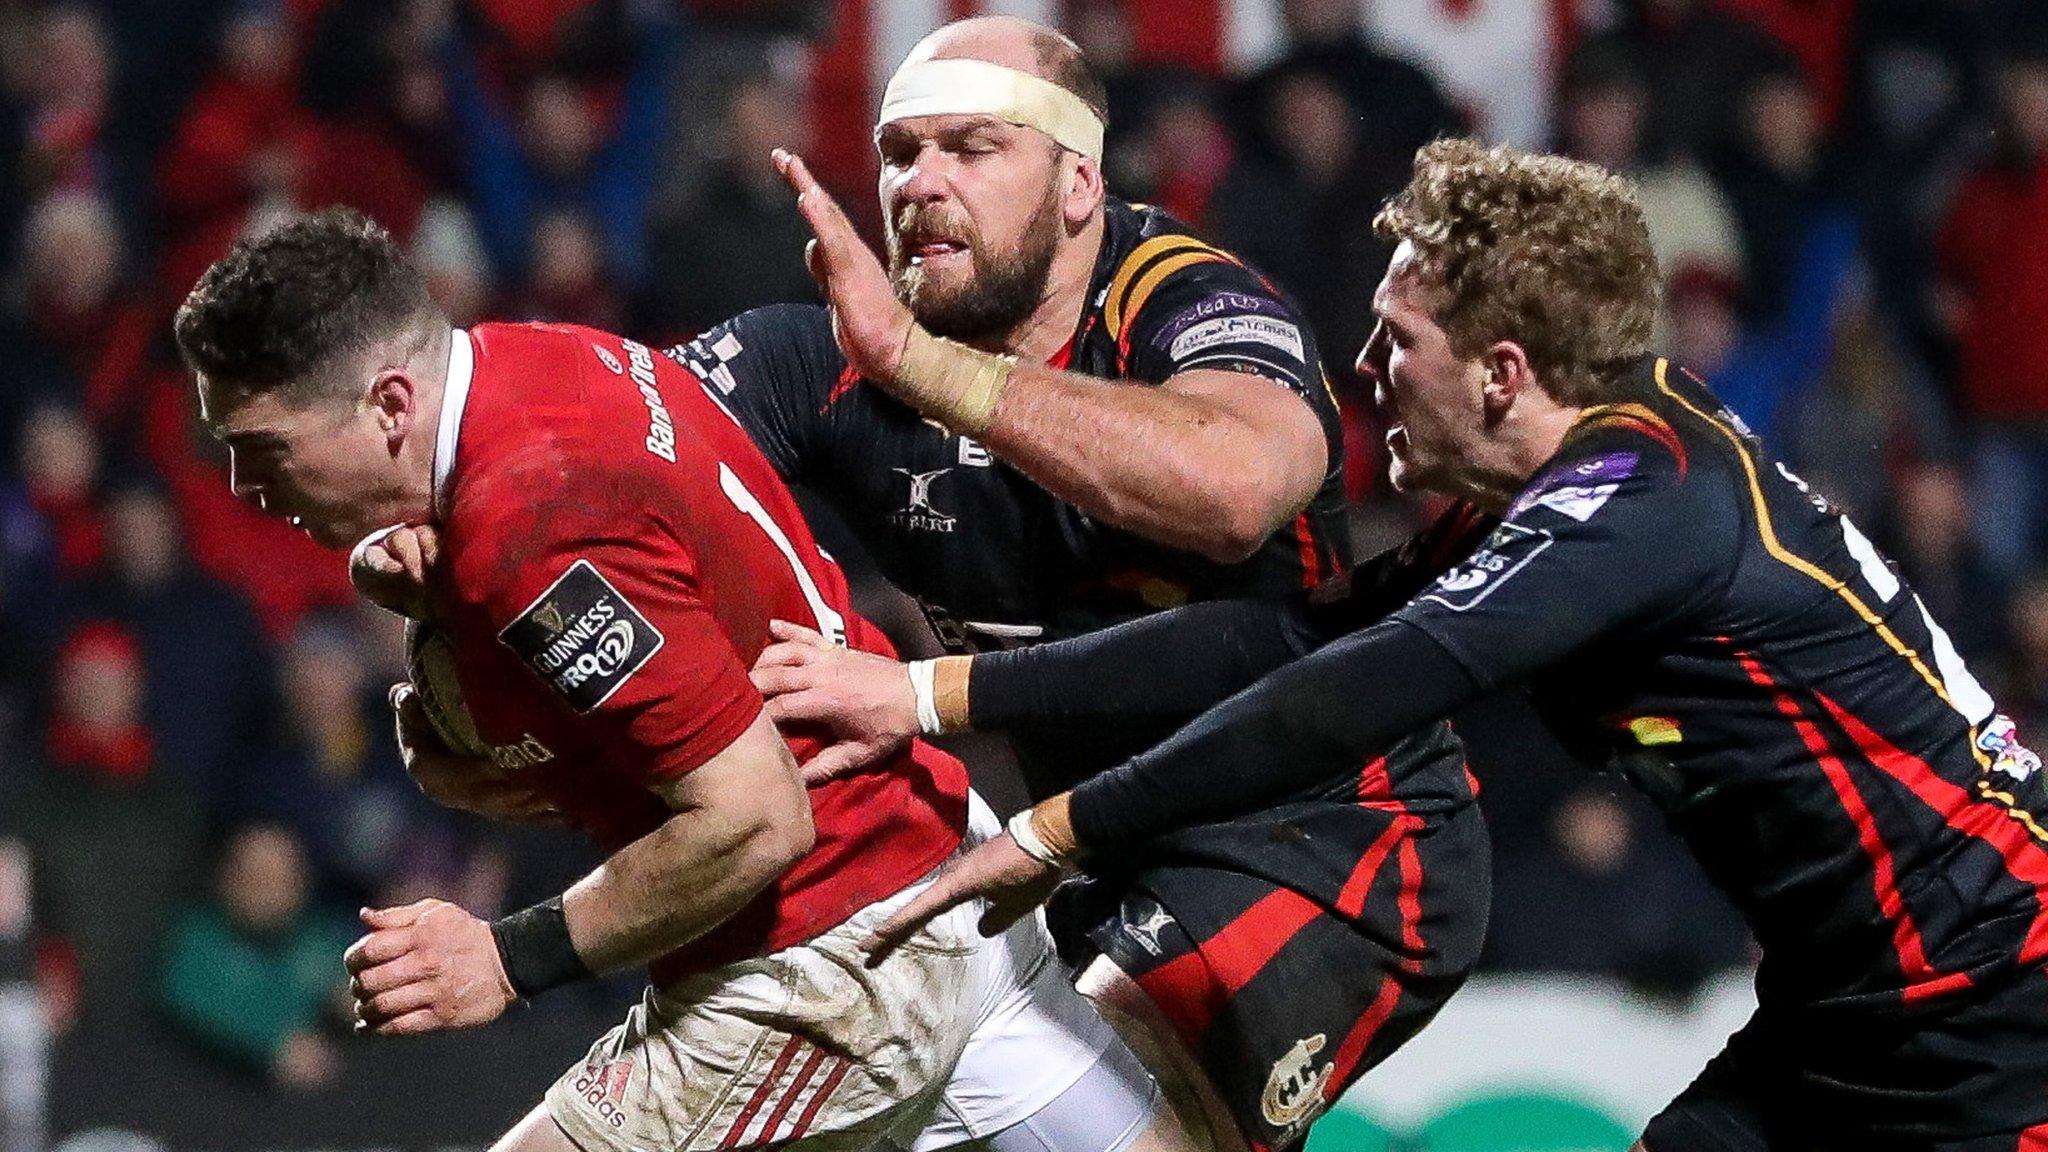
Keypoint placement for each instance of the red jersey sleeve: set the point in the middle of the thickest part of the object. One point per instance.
(596, 597)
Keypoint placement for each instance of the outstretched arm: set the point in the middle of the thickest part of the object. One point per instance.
(1212, 459)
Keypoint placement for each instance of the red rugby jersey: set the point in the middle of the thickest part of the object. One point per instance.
(614, 548)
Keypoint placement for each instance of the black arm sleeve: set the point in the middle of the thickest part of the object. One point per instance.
(774, 370)
(1608, 539)
(1173, 664)
(1300, 725)
(1176, 664)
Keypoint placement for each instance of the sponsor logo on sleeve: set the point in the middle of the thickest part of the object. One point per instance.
(1581, 489)
(1233, 330)
(1507, 551)
(1216, 305)
(583, 637)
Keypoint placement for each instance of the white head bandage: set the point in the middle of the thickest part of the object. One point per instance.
(979, 88)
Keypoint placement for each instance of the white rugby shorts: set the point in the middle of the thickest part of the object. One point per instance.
(953, 1038)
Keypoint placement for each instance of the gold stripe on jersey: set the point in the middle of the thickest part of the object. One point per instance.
(2013, 808)
(1807, 568)
(1122, 286)
(1150, 281)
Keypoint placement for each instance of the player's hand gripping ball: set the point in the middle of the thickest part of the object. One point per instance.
(443, 753)
(430, 665)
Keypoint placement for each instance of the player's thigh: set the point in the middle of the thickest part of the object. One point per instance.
(536, 1132)
(1196, 1112)
(1115, 1106)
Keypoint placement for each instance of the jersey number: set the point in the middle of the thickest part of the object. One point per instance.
(1965, 694)
(830, 622)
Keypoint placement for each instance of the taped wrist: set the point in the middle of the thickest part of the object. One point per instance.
(956, 385)
(534, 946)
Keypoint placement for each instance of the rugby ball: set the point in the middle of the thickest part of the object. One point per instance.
(430, 665)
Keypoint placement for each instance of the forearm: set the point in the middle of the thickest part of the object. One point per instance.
(1173, 664)
(677, 883)
(1312, 720)
(1172, 467)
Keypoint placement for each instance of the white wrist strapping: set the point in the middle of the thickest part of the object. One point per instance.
(927, 705)
(1026, 836)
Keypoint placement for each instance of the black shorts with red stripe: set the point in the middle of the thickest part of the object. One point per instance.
(1285, 986)
(1966, 1073)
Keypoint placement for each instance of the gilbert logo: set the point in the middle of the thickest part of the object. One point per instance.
(917, 514)
(1146, 931)
(1294, 1092)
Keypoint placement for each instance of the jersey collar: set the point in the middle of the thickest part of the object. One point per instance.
(454, 399)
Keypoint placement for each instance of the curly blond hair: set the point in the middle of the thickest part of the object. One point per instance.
(1547, 252)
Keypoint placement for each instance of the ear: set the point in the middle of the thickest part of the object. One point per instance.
(1085, 190)
(394, 398)
(1508, 375)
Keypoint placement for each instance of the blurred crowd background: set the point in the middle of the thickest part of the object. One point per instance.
(197, 781)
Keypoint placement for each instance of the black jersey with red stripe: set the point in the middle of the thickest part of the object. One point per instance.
(955, 525)
(1685, 608)
(1682, 607)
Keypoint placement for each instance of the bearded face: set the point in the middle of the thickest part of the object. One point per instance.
(968, 282)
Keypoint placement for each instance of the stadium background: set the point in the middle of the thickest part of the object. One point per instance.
(197, 786)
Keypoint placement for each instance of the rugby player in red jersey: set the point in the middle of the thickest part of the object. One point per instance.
(612, 548)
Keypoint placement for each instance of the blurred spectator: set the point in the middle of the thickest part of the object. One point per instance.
(337, 783)
(1703, 320)
(236, 160)
(1603, 118)
(1931, 540)
(2024, 694)
(68, 73)
(1775, 178)
(24, 1016)
(1872, 412)
(567, 148)
(739, 242)
(60, 475)
(383, 143)
(1303, 214)
(1994, 259)
(208, 669)
(113, 839)
(85, 325)
(1175, 150)
(451, 256)
(252, 972)
(1699, 54)
(568, 282)
(1608, 894)
(50, 537)
(1493, 56)
(1396, 106)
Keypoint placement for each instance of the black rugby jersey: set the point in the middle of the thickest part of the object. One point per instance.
(956, 526)
(1681, 607)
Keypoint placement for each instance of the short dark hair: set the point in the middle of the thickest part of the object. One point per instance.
(1067, 66)
(278, 309)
